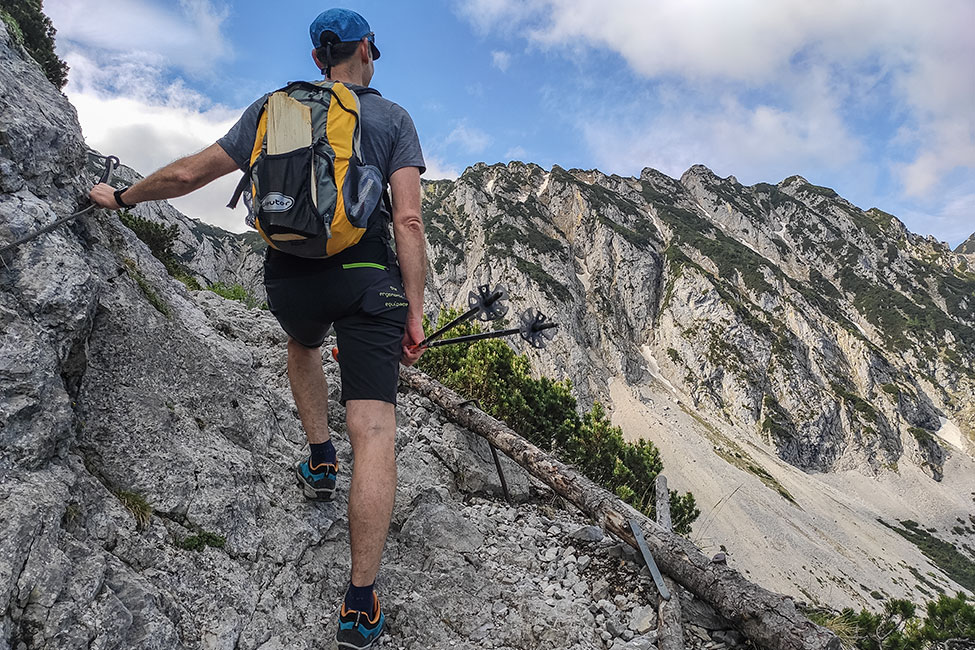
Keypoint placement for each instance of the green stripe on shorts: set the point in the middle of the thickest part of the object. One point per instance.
(364, 265)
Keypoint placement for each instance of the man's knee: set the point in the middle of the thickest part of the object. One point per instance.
(299, 350)
(370, 421)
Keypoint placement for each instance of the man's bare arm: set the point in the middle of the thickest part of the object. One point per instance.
(411, 251)
(175, 179)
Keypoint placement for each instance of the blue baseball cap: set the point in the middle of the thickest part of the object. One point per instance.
(344, 23)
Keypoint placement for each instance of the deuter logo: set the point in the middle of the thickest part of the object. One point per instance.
(277, 202)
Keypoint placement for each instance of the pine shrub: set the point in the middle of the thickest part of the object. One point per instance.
(545, 412)
(29, 26)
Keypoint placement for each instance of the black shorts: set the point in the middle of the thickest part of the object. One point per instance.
(364, 301)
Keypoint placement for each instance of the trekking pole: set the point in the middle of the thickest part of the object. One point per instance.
(535, 328)
(483, 303)
(111, 162)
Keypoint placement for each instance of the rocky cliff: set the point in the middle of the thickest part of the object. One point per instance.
(787, 350)
(824, 332)
(210, 254)
(967, 247)
(147, 443)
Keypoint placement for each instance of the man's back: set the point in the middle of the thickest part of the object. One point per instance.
(389, 139)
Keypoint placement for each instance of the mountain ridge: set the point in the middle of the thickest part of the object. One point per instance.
(765, 322)
(734, 257)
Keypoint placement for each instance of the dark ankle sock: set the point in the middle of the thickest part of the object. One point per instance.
(359, 598)
(322, 454)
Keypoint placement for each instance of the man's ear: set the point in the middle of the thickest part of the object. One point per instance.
(365, 53)
(314, 55)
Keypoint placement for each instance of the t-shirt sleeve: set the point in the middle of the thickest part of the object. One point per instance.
(406, 147)
(239, 141)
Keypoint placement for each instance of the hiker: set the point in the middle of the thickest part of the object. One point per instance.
(372, 295)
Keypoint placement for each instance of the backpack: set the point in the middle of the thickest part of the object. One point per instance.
(306, 189)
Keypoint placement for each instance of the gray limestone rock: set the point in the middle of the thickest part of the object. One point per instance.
(469, 457)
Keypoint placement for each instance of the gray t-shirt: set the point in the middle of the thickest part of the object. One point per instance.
(388, 140)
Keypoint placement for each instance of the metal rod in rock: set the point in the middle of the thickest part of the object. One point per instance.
(111, 162)
(654, 571)
(497, 463)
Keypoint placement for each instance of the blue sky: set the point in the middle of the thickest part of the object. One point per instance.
(874, 98)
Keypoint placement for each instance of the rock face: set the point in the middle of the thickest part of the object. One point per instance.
(210, 254)
(147, 443)
(805, 367)
(967, 247)
(831, 335)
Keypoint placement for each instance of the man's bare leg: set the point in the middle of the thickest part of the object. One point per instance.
(372, 432)
(310, 390)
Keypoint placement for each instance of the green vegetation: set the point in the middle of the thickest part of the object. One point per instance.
(638, 239)
(160, 239)
(733, 194)
(732, 258)
(859, 404)
(903, 320)
(898, 627)
(958, 289)
(944, 555)
(676, 259)
(29, 27)
(136, 504)
(72, 512)
(923, 436)
(819, 190)
(891, 389)
(552, 287)
(237, 292)
(201, 541)
(544, 412)
(154, 299)
(501, 228)
(777, 423)
(440, 230)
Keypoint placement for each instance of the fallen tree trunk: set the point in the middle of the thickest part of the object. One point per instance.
(768, 619)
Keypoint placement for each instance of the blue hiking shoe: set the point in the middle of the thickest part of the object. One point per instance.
(359, 630)
(318, 483)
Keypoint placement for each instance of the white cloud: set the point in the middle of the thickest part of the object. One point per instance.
(438, 169)
(471, 139)
(761, 143)
(498, 15)
(151, 125)
(921, 53)
(123, 56)
(950, 217)
(187, 35)
(678, 125)
(516, 153)
(501, 60)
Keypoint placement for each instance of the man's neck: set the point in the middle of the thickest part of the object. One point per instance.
(347, 77)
